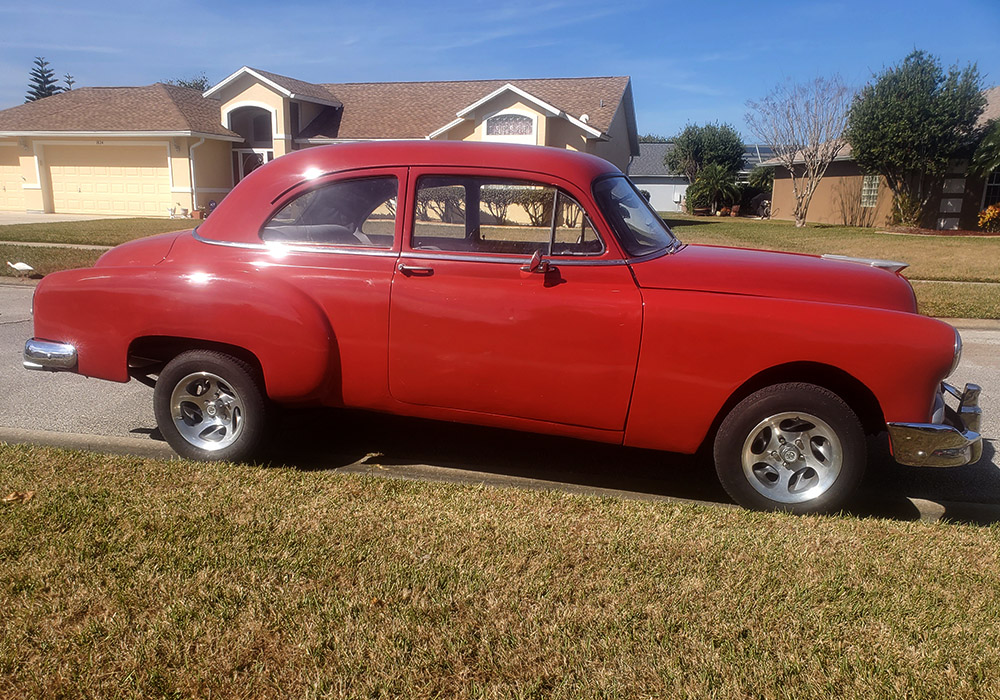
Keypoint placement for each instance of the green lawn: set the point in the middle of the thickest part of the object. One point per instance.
(972, 259)
(45, 259)
(98, 232)
(131, 578)
(933, 260)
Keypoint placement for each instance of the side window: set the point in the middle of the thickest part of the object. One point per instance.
(347, 213)
(482, 215)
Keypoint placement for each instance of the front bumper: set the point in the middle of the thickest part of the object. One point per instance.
(49, 356)
(954, 441)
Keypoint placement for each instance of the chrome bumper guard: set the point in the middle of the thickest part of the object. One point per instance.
(953, 442)
(48, 356)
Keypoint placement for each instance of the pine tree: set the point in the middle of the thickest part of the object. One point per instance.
(42, 82)
(70, 81)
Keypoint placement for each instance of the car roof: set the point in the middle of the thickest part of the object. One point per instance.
(240, 215)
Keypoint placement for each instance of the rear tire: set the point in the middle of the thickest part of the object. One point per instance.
(211, 406)
(791, 447)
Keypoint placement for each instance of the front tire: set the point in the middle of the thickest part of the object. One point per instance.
(210, 406)
(791, 447)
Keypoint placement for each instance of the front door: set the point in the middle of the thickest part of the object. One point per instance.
(475, 326)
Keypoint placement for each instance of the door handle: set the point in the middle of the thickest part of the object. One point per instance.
(414, 271)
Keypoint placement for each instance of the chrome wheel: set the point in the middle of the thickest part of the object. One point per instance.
(792, 457)
(206, 411)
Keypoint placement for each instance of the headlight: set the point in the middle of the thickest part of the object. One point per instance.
(958, 353)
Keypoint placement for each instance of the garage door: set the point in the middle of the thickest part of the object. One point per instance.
(131, 180)
(11, 194)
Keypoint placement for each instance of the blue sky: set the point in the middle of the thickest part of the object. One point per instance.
(689, 61)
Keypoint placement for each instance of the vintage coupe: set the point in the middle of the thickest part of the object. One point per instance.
(513, 286)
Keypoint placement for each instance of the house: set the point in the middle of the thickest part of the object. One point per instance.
(649, 173)
(846, 195)
(157, 149)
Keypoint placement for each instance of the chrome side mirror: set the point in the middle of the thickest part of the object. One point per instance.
(536, 264)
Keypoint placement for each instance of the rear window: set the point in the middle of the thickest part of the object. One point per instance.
(358, 212)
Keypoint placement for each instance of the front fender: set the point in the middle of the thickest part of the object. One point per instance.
(102, 311)
(698, 348)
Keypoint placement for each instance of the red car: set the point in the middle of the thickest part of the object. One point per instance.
(519, 287)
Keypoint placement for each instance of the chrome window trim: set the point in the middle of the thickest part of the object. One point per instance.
(675, 244)
(299, 248)
(475, 257)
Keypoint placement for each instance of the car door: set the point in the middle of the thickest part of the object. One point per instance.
(506, 301)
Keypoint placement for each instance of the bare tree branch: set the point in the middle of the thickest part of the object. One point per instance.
(804, 124)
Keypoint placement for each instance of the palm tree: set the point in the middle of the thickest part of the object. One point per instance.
(717, 185)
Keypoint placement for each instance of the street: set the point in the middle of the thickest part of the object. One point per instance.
(356, 441)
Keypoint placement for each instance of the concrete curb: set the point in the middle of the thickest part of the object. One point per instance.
(929, 511)
(138, 447)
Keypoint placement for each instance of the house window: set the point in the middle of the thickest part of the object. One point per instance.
(869, 191)
(992, 194)
(511, 127)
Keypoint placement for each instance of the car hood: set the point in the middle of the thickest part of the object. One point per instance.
(747, 272)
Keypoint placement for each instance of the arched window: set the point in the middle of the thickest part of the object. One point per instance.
(511, 127)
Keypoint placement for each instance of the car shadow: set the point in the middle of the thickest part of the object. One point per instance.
(319, 439)
(332, 438)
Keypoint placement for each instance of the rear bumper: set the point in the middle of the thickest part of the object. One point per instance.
(953, 442)
(48, 356)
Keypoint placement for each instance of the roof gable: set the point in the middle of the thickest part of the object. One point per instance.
(417, 110)
(291, 88)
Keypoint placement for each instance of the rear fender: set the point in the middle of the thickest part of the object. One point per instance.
(102, 311)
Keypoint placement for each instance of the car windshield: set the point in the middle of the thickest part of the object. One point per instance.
(637, 226)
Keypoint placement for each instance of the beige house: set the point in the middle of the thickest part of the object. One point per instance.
(846, 195)
(161, 149)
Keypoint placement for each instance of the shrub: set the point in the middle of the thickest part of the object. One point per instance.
(989, 219)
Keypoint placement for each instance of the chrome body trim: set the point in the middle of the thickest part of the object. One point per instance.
(954, 442)
(298, 248)
(513, 260)
(958, 353)
(48, 356)
(890, 265)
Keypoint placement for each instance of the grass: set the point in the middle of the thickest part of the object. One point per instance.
(969, 259)
(108, 232)
(45, 259)
(933, 259)
(127, 578)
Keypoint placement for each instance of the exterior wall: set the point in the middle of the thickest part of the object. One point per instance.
(502, 103)
(247, 92)
(11, 192)
(130, 176)
(617, 149)
(837, 199)
(213, 171)
(662, 190)
(562, 134)
(307, 112)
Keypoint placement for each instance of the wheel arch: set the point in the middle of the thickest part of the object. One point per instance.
(149, 354)
(853, 391)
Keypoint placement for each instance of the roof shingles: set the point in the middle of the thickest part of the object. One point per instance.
(373, 110)
(415, 110)
(156, 107)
